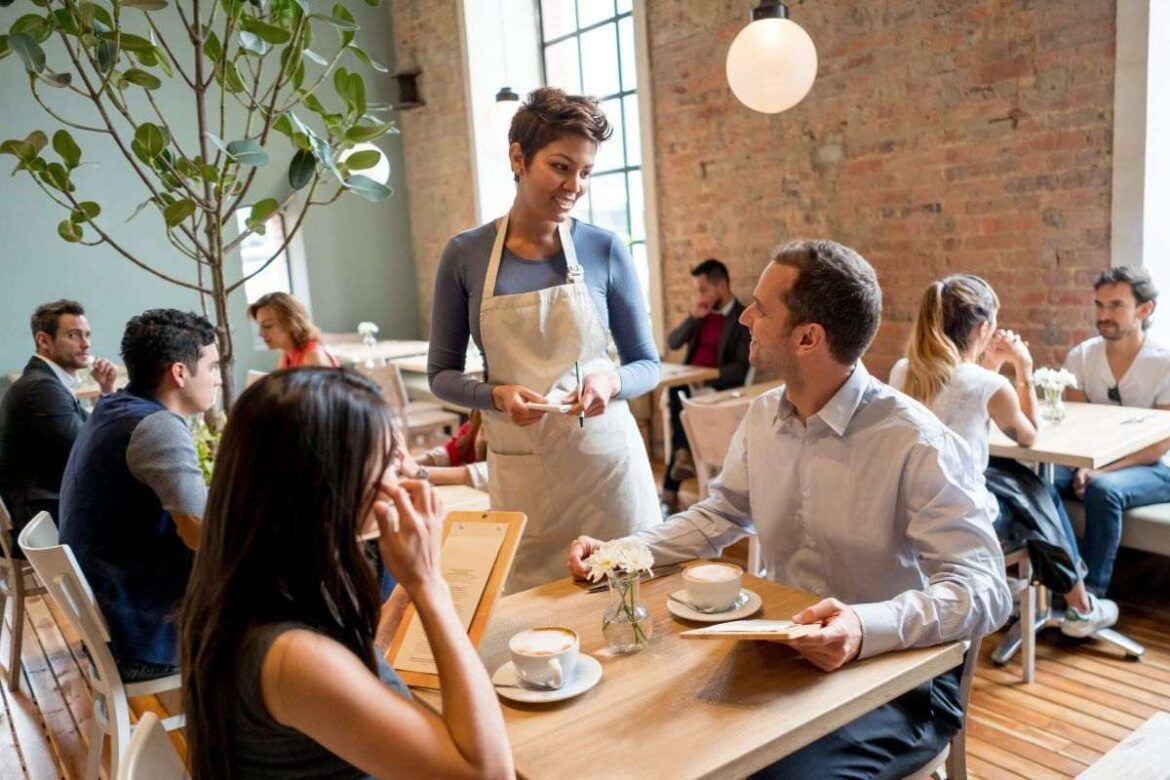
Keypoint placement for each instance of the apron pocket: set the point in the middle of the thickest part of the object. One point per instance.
(519, 483)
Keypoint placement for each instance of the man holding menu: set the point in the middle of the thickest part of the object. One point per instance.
(858, 494)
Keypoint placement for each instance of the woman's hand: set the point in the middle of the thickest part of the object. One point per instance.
(409, 542)
(596, 390)
(513, 401)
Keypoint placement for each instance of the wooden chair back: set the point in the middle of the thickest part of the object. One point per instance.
(389, 378)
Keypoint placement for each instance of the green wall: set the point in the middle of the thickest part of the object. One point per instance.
(358, 253)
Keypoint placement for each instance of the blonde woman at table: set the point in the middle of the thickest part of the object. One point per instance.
(281, 675)
(956, 351)
(284, 324)
(541, 293)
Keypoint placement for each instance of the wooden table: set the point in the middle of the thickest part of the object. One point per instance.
(353, 353)
(417, 364)
(686, 708)
(1090, 436)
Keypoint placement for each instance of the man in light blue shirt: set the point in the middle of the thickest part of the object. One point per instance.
(857, 494)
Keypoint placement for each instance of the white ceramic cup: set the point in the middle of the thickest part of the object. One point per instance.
(713, 586)
(545, 656)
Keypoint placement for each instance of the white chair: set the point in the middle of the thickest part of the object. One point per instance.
(66, 585)
(150, 754)
(253, 376)
(710, 421)
(954, 756)
(17, 582)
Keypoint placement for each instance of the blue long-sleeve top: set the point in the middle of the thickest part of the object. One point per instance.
(613, 287)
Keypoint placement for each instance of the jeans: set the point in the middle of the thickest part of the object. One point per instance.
(1107, 497)
(137, 671)
(678, 436)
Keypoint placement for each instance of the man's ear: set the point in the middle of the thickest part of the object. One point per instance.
(178, 373)
(1146, 310)
(43, 342)
(812, 335)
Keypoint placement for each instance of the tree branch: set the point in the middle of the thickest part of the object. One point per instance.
(235, 242)
(167, 48)
(58, 117)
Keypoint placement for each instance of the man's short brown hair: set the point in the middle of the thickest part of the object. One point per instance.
(48, 315)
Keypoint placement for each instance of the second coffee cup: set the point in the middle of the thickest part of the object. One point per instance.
(545, 656)
(713, 587)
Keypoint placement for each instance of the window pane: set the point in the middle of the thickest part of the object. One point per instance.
(256, 249)
(625, 6)
(583, 209)
(558, 18)
(609, 203)
(633, 131)
(629, 62)
(592, 11)
(637, 207)
(610, 156)
(601, 66)
(642, 266)
(562, 67)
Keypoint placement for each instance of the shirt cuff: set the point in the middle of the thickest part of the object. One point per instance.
(879, 628)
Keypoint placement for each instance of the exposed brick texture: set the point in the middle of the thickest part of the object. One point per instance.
(940, 136)
(436, 137)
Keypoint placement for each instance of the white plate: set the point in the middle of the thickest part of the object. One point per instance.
(750, 607)
(509, 686)
(562, 408)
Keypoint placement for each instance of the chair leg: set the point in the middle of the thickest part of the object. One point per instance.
(93, 761)
(17, 631)
(957, 758)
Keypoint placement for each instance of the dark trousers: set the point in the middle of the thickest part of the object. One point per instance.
(892, 741)
(678, 436)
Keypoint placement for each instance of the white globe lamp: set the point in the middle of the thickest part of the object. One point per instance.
(772, 63)
(380, 172)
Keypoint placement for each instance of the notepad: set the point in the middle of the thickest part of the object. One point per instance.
(753, 629)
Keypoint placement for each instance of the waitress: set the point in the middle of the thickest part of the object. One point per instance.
(541, 293)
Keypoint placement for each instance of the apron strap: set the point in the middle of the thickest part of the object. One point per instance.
(564, 229)
(576, 274)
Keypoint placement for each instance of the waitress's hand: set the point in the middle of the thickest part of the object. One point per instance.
(596, 390)
(409, 540)
(513, 401)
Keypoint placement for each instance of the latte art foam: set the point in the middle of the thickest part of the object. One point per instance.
(712, 572)
(543, 641)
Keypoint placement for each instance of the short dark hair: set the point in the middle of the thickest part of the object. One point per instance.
(549, 114)
(711, 268)
(837, 289)
(157, 339)
(1139, 281)
(47, 315)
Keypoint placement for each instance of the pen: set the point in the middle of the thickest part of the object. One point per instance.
(581, 414)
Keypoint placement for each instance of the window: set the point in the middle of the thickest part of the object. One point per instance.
(587, 47)
(255, 251)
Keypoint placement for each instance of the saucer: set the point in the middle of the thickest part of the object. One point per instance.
(751, 607)
(508, 684)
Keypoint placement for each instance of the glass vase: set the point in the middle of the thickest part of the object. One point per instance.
(1053, 404)
(369, 339)
(627, 625)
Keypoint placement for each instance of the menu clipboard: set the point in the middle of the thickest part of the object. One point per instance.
(477, 553)
(754, 629)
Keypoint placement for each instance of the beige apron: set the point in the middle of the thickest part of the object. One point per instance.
(569, 480)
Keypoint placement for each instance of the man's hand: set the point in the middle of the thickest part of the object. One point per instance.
(580, 549)
(837, 643)
(1081, 480)
(104, 373)
(700, 308)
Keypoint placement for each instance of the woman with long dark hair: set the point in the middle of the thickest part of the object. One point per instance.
(281, 675)
(952, 365)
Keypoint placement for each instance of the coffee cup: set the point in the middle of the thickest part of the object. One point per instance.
(545, 656)
(713, 587)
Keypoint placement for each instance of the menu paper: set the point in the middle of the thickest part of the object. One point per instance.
(468, 554)
(754, 629)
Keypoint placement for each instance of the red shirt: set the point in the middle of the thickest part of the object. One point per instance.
(707, 350)
(295, 358)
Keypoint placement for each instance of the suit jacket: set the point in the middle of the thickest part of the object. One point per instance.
(39, 419)
(734, 342)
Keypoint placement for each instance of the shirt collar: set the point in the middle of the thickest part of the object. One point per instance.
(727, 307)
(69, 380)
(839, 410)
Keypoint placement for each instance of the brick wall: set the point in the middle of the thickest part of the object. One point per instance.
(436, 137)
(941, 136)
(952, 135)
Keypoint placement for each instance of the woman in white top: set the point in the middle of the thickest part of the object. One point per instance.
(954, 357)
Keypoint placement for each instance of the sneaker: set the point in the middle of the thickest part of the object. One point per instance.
(1103, 615)
(684, 465)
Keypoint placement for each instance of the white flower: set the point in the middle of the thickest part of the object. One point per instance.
(367, 328)
(1054, 378)
(619, 556)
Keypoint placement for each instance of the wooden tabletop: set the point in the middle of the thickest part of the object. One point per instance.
(356, 352)
(1090, 436)
(418, 364)
(674, 374)
(686, 708)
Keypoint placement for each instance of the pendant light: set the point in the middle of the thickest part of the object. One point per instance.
(499, 115)
(772, 63)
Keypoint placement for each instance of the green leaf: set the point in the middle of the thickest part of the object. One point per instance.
(340, 24)
(301, 169)
(219, 144)
(252, 43)
(65, 146)
(147, 58)
(309, 54)
(21, 150)
(342, 13)
(59, 80)
(304, 4)
(152, 138)
(107, 54)
(261, 211)
(142, 78)
(373, 3)
(211, 46)
(283, 125)
(368, 188)
(248, 152)
(164, 62)
(36, 27)
(29, 51)
(360, 161)
(230, 78)
(270, 33)
(5, 49)
(57, 177)
(361, 55)
(145, 5)
(313, 104)
(357, 93)
(367, 132)
(178, 211)
(85, 211)
(69, 230)
(138, 210)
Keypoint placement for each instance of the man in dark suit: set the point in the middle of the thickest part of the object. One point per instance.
(714, 338)
(40, 415)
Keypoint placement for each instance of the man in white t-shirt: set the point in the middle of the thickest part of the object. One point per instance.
(1126, 367)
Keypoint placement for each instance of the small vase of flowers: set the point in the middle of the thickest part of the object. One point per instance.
(626, 624)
